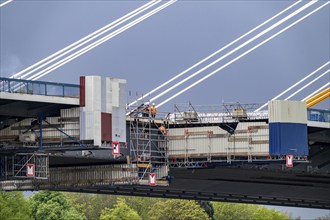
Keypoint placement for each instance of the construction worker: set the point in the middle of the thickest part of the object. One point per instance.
(153, 110)
(163, 129)
(146, 110)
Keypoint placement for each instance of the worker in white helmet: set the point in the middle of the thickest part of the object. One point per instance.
(146, 110)
(153, 110)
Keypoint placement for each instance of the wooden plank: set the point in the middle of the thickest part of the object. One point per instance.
(232, 139)
(144, 165)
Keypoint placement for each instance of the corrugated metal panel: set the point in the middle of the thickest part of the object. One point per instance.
(161, 172)
(287, 111)
(14, 128)
(82, 91)
(288, 138)
(82, 124)
(8, 132)
(106, 127)
(70, 113)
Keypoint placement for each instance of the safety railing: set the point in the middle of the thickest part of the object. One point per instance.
(38, 87)
(318, 115)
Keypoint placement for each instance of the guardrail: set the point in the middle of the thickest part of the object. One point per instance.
(318, 115)
(38, 87)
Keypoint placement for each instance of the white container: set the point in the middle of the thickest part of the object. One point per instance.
(287, 111)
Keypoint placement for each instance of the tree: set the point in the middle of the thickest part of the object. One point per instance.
(120, 211)
(13, 205)
(207, 206)
(173, 209)
(233, 211)
(326, 217)
(142, 205)
(91, 204)
(53, 206)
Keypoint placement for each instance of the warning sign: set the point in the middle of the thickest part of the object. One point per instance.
(30, 170)
(289, 160)
(152, 179)
(115, 148)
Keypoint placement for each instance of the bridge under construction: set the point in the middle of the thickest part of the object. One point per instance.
(84, 138)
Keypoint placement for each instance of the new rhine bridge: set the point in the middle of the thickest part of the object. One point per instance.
(86, 138)
(45, 145)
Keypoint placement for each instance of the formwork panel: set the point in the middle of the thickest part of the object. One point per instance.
(250, 138)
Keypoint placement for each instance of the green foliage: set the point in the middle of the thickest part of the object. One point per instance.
(73, 214)
(120, 211)
(173, 209)
(13, 206)
(91, 204)
(79, 206)
(142, 205)
(232, 211)
(53, 206)
(326, 217)
(207, 206)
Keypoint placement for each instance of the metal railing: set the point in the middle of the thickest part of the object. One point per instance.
(38, 87)
(318, 115)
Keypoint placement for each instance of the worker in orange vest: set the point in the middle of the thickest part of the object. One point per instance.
(146, 110)
(153, 110)
(163, 129)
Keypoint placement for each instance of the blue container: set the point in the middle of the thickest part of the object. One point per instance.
(288, 138)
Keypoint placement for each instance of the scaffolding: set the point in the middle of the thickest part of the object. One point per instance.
(221, 113)
(148, 145)
(190, 146)
(24, 166)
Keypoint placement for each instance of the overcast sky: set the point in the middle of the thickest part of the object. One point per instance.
(166, 44)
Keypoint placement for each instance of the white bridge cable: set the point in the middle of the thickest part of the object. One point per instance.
(296, 84)
(98, 42)
(316, 91)
(213, 54)
(242, 55)
(84, 40)
(236, 49)
(308, 84)
(5, 3)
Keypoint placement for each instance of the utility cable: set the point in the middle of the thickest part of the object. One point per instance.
(308, 84)
(84, 40)
(98, 42)
(291, 87)
(5, 3)
(242, 55)
(213, 54)
(316, 91)
(236, 49)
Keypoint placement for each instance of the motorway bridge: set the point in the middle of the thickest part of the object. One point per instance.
(54, 136)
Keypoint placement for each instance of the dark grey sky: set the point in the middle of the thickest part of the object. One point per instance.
(166, 44)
